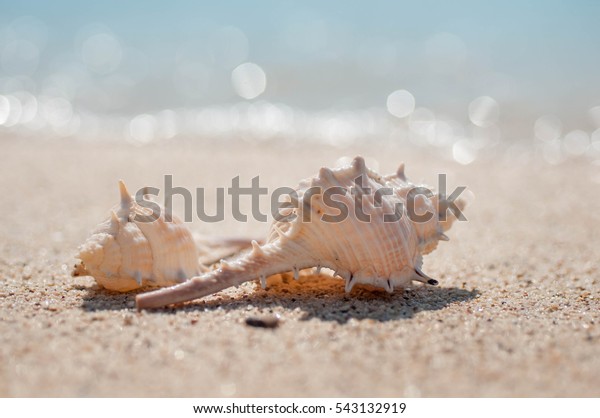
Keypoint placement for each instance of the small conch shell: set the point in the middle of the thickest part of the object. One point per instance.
(136, 247)
(381, 252)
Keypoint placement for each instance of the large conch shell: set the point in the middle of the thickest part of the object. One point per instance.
(380, 253)
(139, 247)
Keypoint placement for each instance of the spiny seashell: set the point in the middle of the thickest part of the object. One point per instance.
(383, 253)
(130, 250)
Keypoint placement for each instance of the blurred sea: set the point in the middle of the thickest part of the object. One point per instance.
(464, 80)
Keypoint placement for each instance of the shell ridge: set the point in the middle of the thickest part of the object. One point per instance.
(378, 226)
(389, 238)
(348, 250)
(357, 228)
(392, 239)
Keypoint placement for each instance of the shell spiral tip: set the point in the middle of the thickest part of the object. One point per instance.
(400, 172)
(125, 195)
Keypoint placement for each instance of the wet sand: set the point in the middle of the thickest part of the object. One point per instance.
(516, 314)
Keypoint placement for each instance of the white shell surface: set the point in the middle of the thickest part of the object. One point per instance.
(377, 252)
(127, 251)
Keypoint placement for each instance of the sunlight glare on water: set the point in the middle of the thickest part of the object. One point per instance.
(142, 128)
(4, 109)
(421, 125)
(249, 80)
(400, 103)
(552, 152)
(56, 111)
(463, 152)
(548, 128)
(340, 78)
(484, 111)
(577, 142)
(29, 106)
(14, 111)
(440, 133)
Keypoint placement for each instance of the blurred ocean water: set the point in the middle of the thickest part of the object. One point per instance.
(462, 78)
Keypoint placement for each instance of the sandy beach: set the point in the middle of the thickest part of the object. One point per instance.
(516, 314)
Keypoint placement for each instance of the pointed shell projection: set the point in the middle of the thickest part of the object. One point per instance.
(134, 248)
(328, 228)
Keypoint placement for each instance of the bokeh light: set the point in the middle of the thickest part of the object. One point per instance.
(57, 111)
(400, 103)
(548, 128)
(142, 128)
(249, 80)
(577, 142)
(552, 152)
(484, 111)
(331, 79)
(29, 106)
(4, 109)
(14, 111)
(463, 152)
